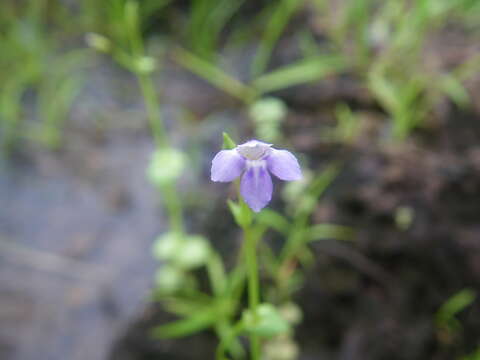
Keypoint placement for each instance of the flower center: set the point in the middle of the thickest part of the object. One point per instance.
(256, 166)
(253, 150)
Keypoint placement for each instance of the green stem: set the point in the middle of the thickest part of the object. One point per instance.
(153, 110)
(174, 207)
(253, 286)
(226, 342)
(172, 202)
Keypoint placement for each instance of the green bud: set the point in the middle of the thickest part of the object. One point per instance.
(98, 42)
(166, 246)
(194, 252)
(282, 347)
(267, 115)
(266, 322)
(145, 65)
(169, 279)
(404, 216)
(166, 166)
(241, 213)
(268, 110)
(291, 312)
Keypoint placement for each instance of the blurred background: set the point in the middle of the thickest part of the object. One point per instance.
(389, 88)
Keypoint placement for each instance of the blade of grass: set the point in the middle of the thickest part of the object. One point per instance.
(277, 23)
(303, 71)
(212, 74)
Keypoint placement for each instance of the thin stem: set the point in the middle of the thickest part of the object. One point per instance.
(253, 286)
(172, 202)
(226, 342)
(147, 86)
(174, 207)
(153, 110)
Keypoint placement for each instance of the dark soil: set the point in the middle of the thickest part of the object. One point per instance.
(376, 298)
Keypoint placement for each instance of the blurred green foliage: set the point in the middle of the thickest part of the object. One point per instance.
(382, 42)
(473, 356)
(35, 70)
(446, 319)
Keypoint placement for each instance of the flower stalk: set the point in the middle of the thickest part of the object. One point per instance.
(143, 66)
(253, 285)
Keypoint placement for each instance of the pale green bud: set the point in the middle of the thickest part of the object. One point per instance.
(169, 279)
(167, 246)
(266, 322)
(166, 166)
(98, 42)
(145, 65)
(194, 252)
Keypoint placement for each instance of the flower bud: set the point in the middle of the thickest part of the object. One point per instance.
(98, 42)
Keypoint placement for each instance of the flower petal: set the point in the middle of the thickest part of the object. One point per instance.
(227, 165)
(284, 165)
(256, 187)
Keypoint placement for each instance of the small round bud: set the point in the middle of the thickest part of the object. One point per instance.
(145, 65)
(194, 252)
(98, 42)
(166, 166)
(169, 279)
(166, 246)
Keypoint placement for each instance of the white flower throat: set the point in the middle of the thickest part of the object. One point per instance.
(254, 150)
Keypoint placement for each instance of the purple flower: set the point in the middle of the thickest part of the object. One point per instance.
(256, 160)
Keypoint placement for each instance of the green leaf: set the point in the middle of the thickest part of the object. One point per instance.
(241, 213)
(228, 143)
(213, 74)
(131, 14)
(454, 305)
(188, 325)
(321, 182)
(303, 71)
(236, 282)
(384, 90)
(216, 273)
(347, 123)
(329, 231)
(473, 356)
(274, 220)
(454, 88)
(184, 306)
(276, 24)
(266, 322)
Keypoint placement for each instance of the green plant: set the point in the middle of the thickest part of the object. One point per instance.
(387, 40)
(445, 317)
(30, 52)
